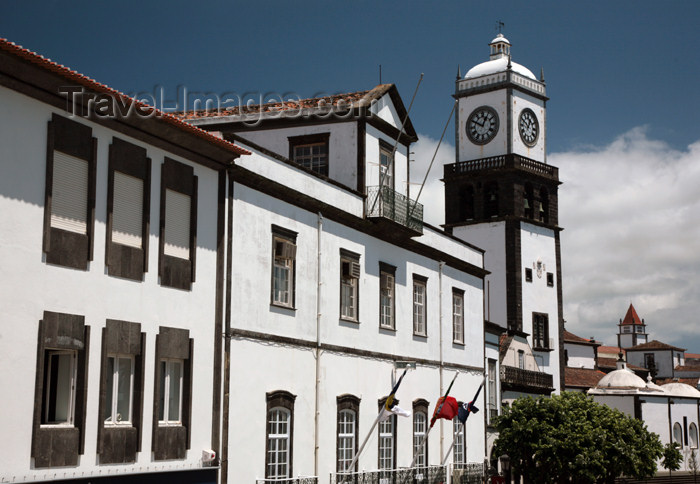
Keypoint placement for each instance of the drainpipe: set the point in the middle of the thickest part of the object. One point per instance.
(318, 341)
(442, 390)
(227, 330)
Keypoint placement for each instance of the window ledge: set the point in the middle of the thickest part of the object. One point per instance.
(421, 335)
(57, 426)
(458, 343)
(169, 424)
(282, 306)
(387, 328)
(349, 320)
(542, 349)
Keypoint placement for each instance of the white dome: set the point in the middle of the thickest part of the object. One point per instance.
(622, 379)
(681, 390)
(498, 65)
(500, 38)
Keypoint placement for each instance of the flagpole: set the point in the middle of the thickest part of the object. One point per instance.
(432, 422)
(387, 405)
(464, 424)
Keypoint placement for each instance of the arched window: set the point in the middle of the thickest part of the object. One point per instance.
(544, 205)
(420, 427)
(678, 433)
(466, 203)
(280, 427)
(491, 200)
(693, 435)
(348, 412)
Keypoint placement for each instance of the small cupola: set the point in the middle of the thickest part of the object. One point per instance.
(500, 47)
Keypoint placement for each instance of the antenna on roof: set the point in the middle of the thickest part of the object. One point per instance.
(499, 26)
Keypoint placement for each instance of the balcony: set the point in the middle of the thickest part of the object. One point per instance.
(526, 381)
(504, 162)
(289, 480)
(415, 475)
(394, 210)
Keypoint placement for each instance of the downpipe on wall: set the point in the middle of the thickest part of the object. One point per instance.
(318, 341)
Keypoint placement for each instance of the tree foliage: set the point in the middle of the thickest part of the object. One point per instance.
(671, 456)
(571, 438)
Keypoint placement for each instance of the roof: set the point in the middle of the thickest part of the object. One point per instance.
(689, 366)
(321, 105)
(654, 345)
(612, 350)
(604, 362)
(572, 338)
(499, 38)
(504, 342)
(498, 65)
(692, 356)
(632, 317)
(621, 379)
(681, 389)
(91, 84)
(693, 382)
(582, 377)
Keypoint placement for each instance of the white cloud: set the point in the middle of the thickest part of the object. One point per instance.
(631, 217)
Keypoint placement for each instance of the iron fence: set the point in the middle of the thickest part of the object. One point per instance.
(383, 201)
(467, 473)
(289, 480)
(415, 475)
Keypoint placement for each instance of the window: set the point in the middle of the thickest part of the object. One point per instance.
(419, 305)
(528, 274)
(170, 391)
(386, 295)
(349, 285)
(626, 329)
(119, 388)
(58, 425)
(178, 225)
(280, 427)
(640, 329)
(459, 446)
(387, 441)
(678, 433)
(173, 394)
(550, 279)
(420, 427)
(544, 205)
(540, 330)
(466, 203)
(284, 253)
(693, 433)
(493, 395)
(521, 359)
(121, 392)
(128, 209)
(60, 375)
(457, 316)
(491, 200)
(69, 205)
(529, 202)
(386, 165)
(348, 411)
(310, 151)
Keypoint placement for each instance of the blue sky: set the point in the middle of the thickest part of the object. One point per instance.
(623, 122)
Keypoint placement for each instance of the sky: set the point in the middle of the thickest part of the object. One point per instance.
(623, 119)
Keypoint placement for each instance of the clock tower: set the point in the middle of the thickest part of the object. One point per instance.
(501, 195)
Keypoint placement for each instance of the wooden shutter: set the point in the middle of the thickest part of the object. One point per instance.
(127, 221)
(70, 193)
(177, 224)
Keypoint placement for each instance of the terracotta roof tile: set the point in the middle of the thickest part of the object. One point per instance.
(67, 73)
(632, 317)
(654, 345)
(582, 377)
(607, 363)
(610, 350)
(572, 338)
(693, 382)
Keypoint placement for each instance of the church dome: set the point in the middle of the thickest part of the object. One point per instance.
(621, 379)
(678, 389)
(499, 61)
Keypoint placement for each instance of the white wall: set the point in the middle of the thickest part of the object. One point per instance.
(30, 286)
(521, 101)
(499, 144)
(665, 360)
(580, 356)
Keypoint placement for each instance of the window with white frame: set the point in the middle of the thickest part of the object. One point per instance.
(284, 252)
(540, 330)
(387, 443)
(419, 305)
(310, 151)
(170, 408)
(386, 295)
(278, 439)
(458, 316)
(678, 434)
(386, 165)
(420, 425)
(347, 428)
(458, 436)
(693, 435)
(60, 370)
(119, 388)
(493, 402)
(349, 285)
(521, 359)
(279, 435)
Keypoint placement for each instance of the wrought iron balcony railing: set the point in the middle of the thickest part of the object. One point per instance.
(289, 480)
(535, 380)
(415, 475)
(467, 473)
(385, 202)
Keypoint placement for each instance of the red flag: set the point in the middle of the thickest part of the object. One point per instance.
(449, 409)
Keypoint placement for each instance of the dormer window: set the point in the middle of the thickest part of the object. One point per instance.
(310, 151)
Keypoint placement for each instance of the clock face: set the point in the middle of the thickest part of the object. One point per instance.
(482, 125)
(528, 127)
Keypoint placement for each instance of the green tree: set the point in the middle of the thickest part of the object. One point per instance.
(672, 457)
(571, 438)
(693, 464)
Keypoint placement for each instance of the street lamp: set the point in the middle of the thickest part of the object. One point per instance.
(505, 466)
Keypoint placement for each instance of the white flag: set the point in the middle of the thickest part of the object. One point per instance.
(395, 410)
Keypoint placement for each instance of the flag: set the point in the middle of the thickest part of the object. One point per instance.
(465, 409)
(389, 403)
(448, 410)
(394, 410)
